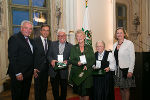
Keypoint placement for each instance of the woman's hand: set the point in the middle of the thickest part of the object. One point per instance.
(129, 74)
(85, 68)
(79, 63)
(107, 69)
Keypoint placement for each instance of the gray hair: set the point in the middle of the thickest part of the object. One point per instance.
(61, 30)
(26, 21)
(100, 41)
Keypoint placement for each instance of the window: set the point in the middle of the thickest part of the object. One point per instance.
(121, 15)
(36, 11)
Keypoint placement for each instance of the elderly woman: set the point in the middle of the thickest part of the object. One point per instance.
(103, 82)
(124, 54)
(82, 58)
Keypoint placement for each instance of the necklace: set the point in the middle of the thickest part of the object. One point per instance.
(120, 43)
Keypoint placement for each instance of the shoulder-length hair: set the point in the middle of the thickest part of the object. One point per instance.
(124, 31)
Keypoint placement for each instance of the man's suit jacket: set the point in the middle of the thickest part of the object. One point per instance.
(20, 56)
(52, 55)
(40, 58)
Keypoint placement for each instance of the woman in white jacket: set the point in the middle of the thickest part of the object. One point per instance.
(124, 53)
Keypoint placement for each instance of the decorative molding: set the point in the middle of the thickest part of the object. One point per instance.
(4, 41)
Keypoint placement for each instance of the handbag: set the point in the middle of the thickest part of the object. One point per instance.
(124, 72)
(80, 75)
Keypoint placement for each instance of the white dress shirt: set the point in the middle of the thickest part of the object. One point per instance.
(110, 59)
(43, 41)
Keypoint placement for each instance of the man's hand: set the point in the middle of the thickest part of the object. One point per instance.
(53, 63)
(19, 77)
(36, 71)
(65, 62)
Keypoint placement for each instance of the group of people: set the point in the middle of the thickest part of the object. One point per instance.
(39, 57)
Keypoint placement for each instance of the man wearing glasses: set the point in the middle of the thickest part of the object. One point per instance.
(59, 53)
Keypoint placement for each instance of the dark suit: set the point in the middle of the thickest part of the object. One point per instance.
(40, 63)
(20, 61)
(61, 75)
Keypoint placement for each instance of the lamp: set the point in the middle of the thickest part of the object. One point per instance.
(136, 23)
(40, 18)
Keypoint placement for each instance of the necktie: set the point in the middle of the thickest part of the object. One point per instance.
(27, 39)
(29, 44)
(45, 46)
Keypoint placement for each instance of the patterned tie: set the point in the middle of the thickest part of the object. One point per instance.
(45, 46)
(27, 39)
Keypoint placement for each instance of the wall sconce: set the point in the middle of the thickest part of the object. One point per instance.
(58, 14)
(136, 21)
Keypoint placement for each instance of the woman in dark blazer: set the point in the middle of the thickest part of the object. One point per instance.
(103, 84)
(82, 58)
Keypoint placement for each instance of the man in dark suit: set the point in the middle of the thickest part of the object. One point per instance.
(20, 54)
(41, 65)
(59, 77)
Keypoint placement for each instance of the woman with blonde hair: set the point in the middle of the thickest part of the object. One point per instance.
(82, 58)
(124, 53)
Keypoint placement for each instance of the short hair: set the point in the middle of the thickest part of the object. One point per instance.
(26, 21)
(61, 30)
(45, 25)
(79, 31)
(101, 41)
(124, 31)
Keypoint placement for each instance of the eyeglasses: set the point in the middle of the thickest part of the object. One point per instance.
(61, 35)
(99, 46)
(45, 30)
